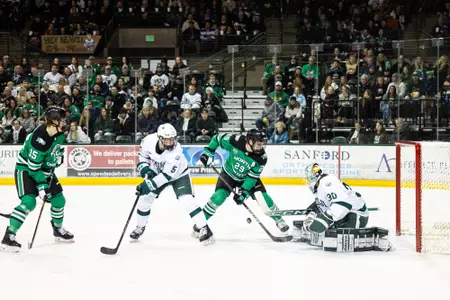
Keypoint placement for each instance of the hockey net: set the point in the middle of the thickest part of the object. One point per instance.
(423, 194)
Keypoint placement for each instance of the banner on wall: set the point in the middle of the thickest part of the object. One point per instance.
(68, 44)
(102, 161)
(121, 161)
(354, 162)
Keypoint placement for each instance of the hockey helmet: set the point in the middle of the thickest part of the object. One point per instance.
(313, 172)
(55, 113)
(257, 139)
(167, 134)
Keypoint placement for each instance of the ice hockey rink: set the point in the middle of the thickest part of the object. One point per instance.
(243, 263)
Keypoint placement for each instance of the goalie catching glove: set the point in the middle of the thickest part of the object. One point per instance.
(207, 157)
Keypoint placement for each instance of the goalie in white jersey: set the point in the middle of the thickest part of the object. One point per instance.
(336, 203)
(162, 163)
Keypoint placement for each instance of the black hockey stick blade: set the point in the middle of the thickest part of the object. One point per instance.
(112, 251)
(108, 251)
(5, 215)
(279, 239)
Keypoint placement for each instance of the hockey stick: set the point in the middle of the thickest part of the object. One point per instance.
(300, 212)
(30, 244)
(5, 215)
(274, 238)
(112, 251)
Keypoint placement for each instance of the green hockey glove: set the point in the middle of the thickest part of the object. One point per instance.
(145, 187)
(240, 197)
(145, 171)
(44, 192)
(207, 157)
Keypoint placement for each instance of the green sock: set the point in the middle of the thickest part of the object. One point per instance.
(217, 199)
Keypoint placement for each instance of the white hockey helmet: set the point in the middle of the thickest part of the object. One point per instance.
(312, 175)
(167, 135)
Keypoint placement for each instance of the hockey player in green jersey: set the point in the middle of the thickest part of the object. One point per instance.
(34, 175)
(242, 169)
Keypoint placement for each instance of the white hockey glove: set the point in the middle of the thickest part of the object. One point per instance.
(308, 220)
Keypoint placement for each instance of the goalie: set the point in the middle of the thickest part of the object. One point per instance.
(338, 217)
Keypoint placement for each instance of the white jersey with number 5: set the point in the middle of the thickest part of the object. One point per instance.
(338, 199)
(169, 165)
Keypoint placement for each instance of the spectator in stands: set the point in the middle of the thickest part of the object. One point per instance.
(389, 104)
(205, 126)
(159, 78)
(35, 109)
(4, 78)
(52, 78)
(279, 96)
(215, 85)
(280, 134)
(403, 131)
(76, 135)
(191, 99)
(27, 121)
(109, 63)
(269, 114)
(70, 78)
(3, 136)
(400, 86)
(109, 78)
(346, 103)
(380, 137)
(7, 120)
(123, 125)
(293, 116)
(212, 103)
(269, 70)
(356, 135)
(7, 65)
(191, 36)
(87, 120)
(187, 124)
(103, 125)
(18, 133)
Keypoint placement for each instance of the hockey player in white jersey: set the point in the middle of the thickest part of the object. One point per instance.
(162, 163)
(338, 217)
(337, 204)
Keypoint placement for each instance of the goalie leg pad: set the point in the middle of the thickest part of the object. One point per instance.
(356, 240)
(303, 236)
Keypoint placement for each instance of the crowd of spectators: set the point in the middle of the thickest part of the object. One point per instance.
(103, 102)
(338, 89)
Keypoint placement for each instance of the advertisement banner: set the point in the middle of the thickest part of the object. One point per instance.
(121, 161)
(192, 155)
(102, 161)
(69, 44)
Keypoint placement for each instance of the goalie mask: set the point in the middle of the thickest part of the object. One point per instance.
(312, 175)
(167, 135)
(257, 139)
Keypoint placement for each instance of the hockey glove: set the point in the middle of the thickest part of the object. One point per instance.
(44, 192)
(240, 197)
(207, 157)
(145, 171)
(145, 187)
(308, 220)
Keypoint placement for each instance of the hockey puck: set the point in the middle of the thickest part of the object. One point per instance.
(249, 221)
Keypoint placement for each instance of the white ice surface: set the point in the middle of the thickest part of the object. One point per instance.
(168, 264)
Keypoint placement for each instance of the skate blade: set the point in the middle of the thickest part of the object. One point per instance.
(5, 248)
(209, 241)
(64, 241)
(134, 240)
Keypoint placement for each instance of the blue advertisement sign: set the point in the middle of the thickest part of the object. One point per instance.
(192, 154)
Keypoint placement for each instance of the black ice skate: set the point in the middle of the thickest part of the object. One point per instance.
(282, 226)
(136, 233)
(196, 232)
(206, 236)
(61, 234)
(9, 242)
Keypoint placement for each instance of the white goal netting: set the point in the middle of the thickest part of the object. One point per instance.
(423, 194)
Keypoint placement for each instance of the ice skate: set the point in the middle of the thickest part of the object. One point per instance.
(9, 242)
(62, 235)
(282, 226)
(206, 236)
(195, 232)
(136, 233)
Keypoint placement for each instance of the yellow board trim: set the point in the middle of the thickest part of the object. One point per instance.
(204, 180)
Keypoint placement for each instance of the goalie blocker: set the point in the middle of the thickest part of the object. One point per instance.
(345, 239)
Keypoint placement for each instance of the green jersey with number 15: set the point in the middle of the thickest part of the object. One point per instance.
(40, 154)
(240, 165)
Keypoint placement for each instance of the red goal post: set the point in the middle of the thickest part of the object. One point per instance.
(423, 194)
